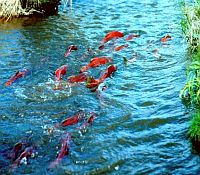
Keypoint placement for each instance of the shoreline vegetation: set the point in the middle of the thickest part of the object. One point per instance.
(190, 93)
(17, 8)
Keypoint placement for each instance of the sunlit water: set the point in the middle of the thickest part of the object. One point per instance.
(140, 125)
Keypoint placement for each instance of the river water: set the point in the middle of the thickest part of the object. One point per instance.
(141, 124)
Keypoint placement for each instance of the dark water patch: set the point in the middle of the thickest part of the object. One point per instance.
(147, 103)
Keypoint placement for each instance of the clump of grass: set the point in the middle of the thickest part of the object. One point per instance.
(191, 30)
(194, 129)
(191, 89)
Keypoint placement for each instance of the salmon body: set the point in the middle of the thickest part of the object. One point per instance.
(111, 35)
(69, 49)
(118, 48)
(88, 121)
(72, 120)
(16, 76)
(24, 155)
(64, 150)
(131, 36)
(95, 62)
(107, 73)
(93, 84)
(77, 78)
(17, 147)
(60, 72)
(165, 38)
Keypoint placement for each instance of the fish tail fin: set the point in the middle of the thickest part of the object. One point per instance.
(8, 83)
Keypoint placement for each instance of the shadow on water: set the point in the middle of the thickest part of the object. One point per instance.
(140, 125)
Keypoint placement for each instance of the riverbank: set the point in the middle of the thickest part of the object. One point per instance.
(16, 8)
(191, 90)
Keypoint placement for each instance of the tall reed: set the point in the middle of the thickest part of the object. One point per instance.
(191, 24)
(191, 90)
(191, 30)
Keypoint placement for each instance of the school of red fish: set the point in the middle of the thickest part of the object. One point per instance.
(21, 152)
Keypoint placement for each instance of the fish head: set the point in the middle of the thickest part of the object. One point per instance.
(63, 69)
(101, 47)
(111, 69)
(73, 47)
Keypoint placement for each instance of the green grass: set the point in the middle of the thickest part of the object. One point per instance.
(191, 31)
(194, 129)
(191, 24)
(191, 90)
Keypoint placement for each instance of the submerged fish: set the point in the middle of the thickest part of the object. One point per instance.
(95, 62)
(69, 49)
(101, 47)
(108, 47)
(14, 152)
(89, 120)
(131, 36)
(72, 120)
(93, 84)
(16, 76)
(165, 38)
(111, 35)
(23, 156)
(64, 150)
(156, 54)
(77, 78)
(60, 72)
(107, 73)
(118, 48)
(88, 52)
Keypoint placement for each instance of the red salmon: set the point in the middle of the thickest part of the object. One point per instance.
(72, 120)
(17, 75)
(88, 121)
(111, 35)
(60, 72)
(64, 150)
(77, 78)
(24, 155)
(93, 84)
(69, 49)
(17, 147)
(118, 48)
(131, 36)
(95, 62)
(107, 73)
(165, 38)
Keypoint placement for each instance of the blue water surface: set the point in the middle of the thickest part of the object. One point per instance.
(141, 124)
